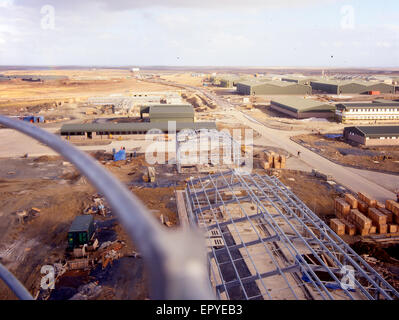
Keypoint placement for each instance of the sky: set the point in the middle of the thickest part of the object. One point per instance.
(289, 33)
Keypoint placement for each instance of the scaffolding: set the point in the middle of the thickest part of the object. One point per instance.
(265, 243)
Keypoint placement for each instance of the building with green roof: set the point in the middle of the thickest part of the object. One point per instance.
(373, 135)
(255, 87)
(105, 130)
(178, 113)
(302, 108)
(350, 87)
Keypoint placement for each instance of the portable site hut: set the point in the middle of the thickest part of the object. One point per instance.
(81, 231)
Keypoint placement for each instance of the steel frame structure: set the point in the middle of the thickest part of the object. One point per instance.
(195, 140)
(272, 246)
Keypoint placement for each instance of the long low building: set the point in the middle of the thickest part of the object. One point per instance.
(168, 112)
(178, 113)
(302, 108)
(351, 87)
(377, 111)
(373, 135)
(106, 130)
(272, 87)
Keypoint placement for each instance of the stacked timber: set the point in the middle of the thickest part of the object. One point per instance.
(338, 226)
(350, 228)
(365, 215)
(362, 223)
(351, 200)
(369, 201)
(342, 208)
(393, 207)
(273, 160)
(388, 213)
(362, 206)
(379, 220)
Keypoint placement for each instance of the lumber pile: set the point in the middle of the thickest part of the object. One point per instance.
(338, 226)
(342, 208)
(364, 215)
(273, 160)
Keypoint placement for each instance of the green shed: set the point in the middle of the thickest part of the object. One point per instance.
(81, 231)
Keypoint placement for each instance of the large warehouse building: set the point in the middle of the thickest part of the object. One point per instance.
(272, 87)
(373, 135)
(377, 111)
(300, 80)
(351, 87)
(106, 130)
(302, 108)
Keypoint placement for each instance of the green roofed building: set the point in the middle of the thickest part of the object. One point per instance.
(178, 113)
(351, 87)
(373, 135)
(169, 112)
(104, 130)
(272, 88)
(302, 108)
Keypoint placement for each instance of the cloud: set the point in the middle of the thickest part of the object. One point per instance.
(136, 4)
(6, 3)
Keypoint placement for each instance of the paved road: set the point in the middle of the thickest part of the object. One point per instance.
(377, 185)
(347, 177)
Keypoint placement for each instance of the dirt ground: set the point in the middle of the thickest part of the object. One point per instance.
(81, 85)
(383, 159)
(61, 194)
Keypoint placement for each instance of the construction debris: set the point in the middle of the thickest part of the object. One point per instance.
(149, 176)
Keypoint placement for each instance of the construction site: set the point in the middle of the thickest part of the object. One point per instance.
(279, 214)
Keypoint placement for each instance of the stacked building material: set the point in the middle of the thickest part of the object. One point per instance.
(379, 220)
(362, 206)
(342, 208)
(370, 202)
(392, 206)
(338, 226)
(366, 215)
(350, 228)
(377, 216)
(351, 200)
(362, 223)
(273, 160)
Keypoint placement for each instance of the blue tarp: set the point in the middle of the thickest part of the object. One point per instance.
(34, 119)
(120, 155)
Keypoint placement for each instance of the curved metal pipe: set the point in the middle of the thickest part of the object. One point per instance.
(176, 260)
(14, 284)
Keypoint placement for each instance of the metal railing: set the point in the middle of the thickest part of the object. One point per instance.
(176, 259)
